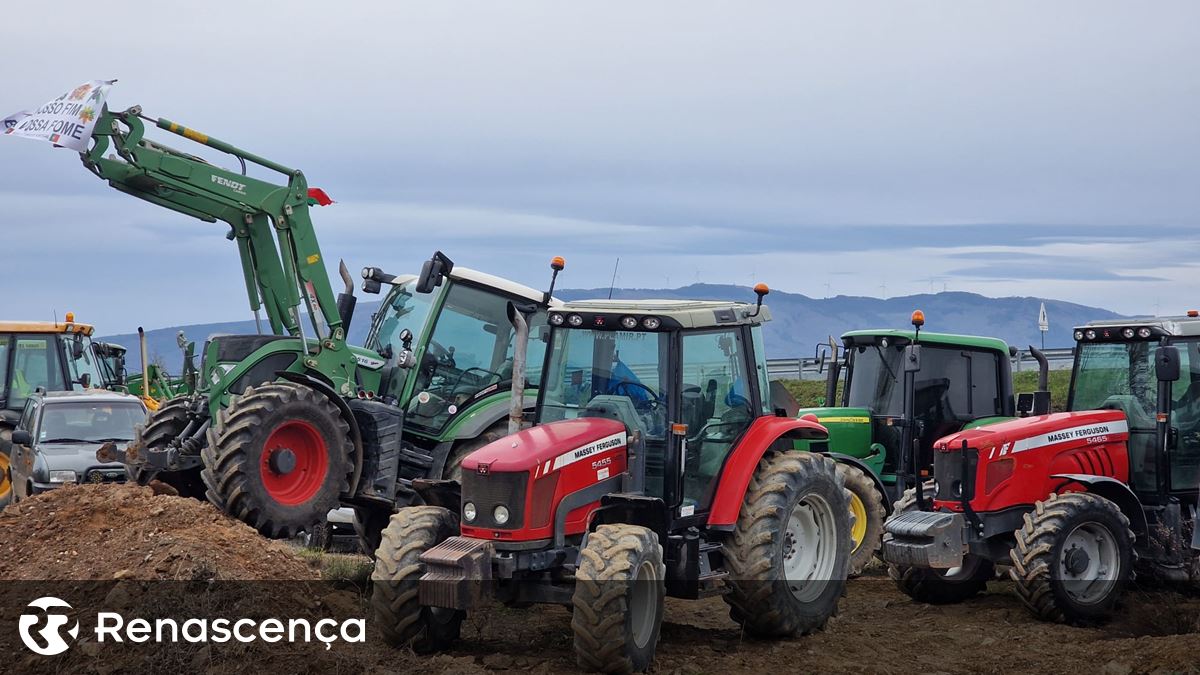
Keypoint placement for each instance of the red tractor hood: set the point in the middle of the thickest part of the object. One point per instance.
(563, 442)
(1031, 433)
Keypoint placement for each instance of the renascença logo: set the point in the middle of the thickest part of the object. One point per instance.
(51, 642)
(113, 627)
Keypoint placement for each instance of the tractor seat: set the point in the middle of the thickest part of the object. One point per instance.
(1135, 414)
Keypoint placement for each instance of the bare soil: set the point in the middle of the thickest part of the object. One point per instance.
(107, 532)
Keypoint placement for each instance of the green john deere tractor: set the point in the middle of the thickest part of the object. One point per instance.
(960, 382)
(286, 425)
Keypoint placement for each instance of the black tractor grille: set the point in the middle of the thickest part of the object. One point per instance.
(487, 491)
(953, 482)
(104, 476)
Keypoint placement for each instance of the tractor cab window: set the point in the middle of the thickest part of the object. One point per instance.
(616, 374)
(717, 406)
(402, 308)
(1120, 376)
(81, 360)
(470, 349)
(34, 363)
(4, 350)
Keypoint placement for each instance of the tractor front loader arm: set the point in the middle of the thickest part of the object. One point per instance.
(281, 259)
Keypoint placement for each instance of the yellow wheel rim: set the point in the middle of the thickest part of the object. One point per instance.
(858, 531)
(5, 483)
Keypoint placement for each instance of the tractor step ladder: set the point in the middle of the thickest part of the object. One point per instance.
(710, 581)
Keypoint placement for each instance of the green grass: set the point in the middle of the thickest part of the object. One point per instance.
(811, 393)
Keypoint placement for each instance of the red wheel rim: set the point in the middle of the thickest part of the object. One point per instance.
(301, 483)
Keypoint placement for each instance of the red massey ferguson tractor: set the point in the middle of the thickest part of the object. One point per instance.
(656, 467)
(1070, 501)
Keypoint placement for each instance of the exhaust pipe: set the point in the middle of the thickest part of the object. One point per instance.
(1043, 368)
(516, 404)
(346, 299)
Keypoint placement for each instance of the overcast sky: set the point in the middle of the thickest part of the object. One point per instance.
(867, 148)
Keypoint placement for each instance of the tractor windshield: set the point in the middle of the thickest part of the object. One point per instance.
(875, 381)
(402, 308)
(468, 353)
(624, 370)
(1121, 376)
(28, 362)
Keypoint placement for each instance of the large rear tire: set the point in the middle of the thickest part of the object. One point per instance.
(790, 550)
(867, 507)
(939, 586)
(618, 601)
(1072, 557)
(395, 600)
(277, 458)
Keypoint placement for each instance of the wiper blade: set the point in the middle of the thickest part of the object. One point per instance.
(65, 440)
(105, 440)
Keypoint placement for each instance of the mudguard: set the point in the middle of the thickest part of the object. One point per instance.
(1115, 491)
(743, 460)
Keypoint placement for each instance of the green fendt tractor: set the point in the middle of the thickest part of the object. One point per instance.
(285, 426)
(961, 382)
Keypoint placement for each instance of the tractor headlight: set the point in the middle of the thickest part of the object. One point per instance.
(651, 323)
(1078, 335)
(1127, 333)
(556, 319)
(469, 512)
(1089, 334)
(500, 514)
(628, 322)
(1143, 332)
(575, 320)
(63, 477)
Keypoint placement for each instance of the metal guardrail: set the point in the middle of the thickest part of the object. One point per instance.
(809, 368)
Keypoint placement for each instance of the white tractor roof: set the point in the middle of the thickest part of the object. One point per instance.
(689, 313)
(1174, 325)
(499, 283)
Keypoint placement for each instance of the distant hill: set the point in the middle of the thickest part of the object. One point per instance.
(799, 322)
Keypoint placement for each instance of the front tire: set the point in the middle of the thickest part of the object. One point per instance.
(939, 586)
(867, 506)
(395, 600)
(163, 426)
(618, 600)
(1072, 557)
(277, 458)
(790, 550)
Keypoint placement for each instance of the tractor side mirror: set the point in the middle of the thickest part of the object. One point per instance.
(77, 347)
(21, 437)
(85, 380)
(433, 271)
(1166, 363)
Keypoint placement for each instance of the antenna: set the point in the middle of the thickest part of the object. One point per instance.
(614, 277)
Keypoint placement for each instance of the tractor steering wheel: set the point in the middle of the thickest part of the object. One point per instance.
(653, 403)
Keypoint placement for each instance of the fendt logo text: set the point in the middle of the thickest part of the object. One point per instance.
(43, 632)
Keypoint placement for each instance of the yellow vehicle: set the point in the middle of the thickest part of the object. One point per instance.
(52, 356)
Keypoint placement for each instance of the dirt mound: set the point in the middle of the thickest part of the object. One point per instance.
(127, 532)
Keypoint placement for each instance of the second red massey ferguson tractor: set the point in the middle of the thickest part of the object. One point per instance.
(1070, 501)
(657, 467)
